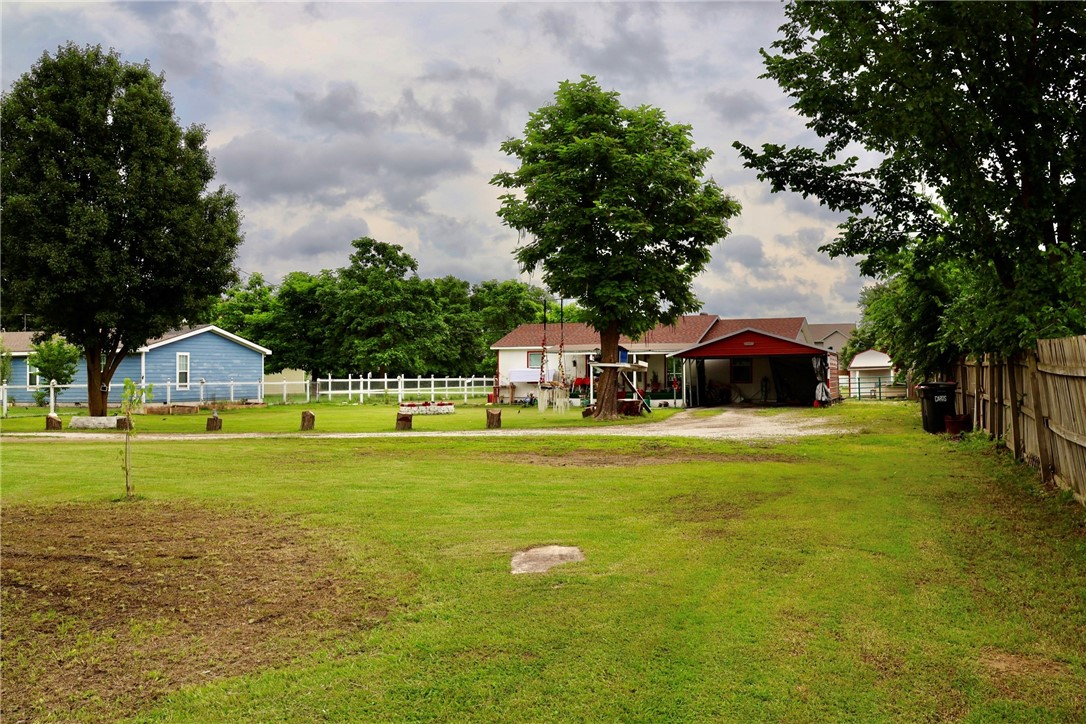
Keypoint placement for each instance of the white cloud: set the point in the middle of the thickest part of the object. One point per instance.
(335, 120)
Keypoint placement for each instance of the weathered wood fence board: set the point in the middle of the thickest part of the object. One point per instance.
(1048, 428)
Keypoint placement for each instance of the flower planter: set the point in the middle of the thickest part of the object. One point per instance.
(427, 408)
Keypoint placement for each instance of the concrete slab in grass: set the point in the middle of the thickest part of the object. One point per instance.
(544, 558)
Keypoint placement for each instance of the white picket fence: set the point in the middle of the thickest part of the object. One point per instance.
(397, 389)
(392, 390)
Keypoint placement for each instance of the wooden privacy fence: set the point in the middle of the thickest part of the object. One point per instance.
(1037, 403)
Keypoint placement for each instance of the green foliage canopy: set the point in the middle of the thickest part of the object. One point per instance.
(980, 104)
(109, 235)
(616, 210)
(55, 359)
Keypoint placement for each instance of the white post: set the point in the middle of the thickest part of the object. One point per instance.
(329, 389)
(472, 383)
(202, 383)
(399, 389)
(167, 391)
(52, 397)
(431, 387)
(284, 390)
(4, 397)
(231, 389)
(307, 387)
(591, 386)
(349, 378)
(384, 390)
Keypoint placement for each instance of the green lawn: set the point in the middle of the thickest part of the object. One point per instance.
(881, 575)
(334, 417)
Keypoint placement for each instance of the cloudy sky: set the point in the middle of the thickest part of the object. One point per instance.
(337, 120)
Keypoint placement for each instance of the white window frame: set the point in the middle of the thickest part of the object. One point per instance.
(187, 370)
(538, 361)
(33, 378)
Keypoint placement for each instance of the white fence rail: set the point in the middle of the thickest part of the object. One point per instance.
(400, 388)
(350, 389)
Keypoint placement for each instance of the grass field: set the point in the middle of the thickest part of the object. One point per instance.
(881, 575)
(333, 417)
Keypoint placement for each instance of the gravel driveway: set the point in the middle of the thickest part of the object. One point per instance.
(729, 424)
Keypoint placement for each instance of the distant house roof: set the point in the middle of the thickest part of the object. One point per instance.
(686, 332)
(19, 342)
(787, 327)
(819, 332)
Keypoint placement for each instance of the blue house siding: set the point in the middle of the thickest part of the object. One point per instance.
(18, 392)
(215, 358)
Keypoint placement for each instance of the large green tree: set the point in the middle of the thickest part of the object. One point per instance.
(616, 212)
(977, 107)
(110, 236)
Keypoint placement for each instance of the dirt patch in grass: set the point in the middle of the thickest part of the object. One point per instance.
(589, 458)
(1003, 664)
(108, 607)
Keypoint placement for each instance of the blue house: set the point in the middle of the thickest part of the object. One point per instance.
(192, 364)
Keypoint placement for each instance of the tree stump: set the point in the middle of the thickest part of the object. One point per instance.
(308, 420)
(493, 419)
(403, 422)
(214, 424)
(52, 422)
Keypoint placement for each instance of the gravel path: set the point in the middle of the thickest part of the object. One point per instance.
(729, 424)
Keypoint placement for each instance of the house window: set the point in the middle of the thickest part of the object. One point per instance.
(182, 370)
(742, 371)
(32, 379)
(535, 359)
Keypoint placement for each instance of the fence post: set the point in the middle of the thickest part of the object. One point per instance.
(399, 389)
(880, 387)
(1040, 415)
(431, 387)
(231, 389)
(52, 397)
(307, 390)
(4, 397)
(202, 383)
(349, 378)
(472, 383)
(167, 390)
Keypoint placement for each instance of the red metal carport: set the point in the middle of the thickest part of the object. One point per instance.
(755, 366)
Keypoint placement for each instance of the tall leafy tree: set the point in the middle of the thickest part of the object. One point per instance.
(246, 309)
(977, 104)
(501, 307)
(110, 236)
(302, 324)
(388, 317)
(617, 213)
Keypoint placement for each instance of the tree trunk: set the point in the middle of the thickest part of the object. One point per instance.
(607, 387)
(97, 401)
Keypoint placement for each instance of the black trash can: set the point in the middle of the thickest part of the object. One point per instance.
(936, 402)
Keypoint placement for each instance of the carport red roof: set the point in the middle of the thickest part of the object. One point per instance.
(749, 343)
